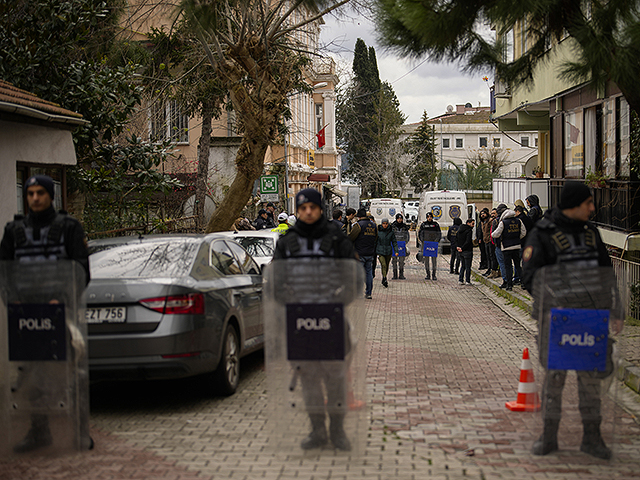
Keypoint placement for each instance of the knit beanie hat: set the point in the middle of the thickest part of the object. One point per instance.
(362, 213)
(43, 181)
(573, 194)
(308, 195)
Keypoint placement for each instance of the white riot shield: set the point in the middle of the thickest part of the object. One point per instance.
(579, 318)
(44, 390)
(315, 354)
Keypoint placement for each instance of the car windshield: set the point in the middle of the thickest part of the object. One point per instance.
(257, 246)
(167, 258)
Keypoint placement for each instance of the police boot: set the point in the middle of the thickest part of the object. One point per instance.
(318, 436)
(336, 431)
(548, 441)
(592, 442)
(38, 435)
(402, 277)
(433, 275)
(395, 275)
(428, 277)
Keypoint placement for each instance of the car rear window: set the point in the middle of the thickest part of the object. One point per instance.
(168, 258)
(257, 246)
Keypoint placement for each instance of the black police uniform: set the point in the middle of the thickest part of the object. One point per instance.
(559, 239)
(320, 239)
(41, 236)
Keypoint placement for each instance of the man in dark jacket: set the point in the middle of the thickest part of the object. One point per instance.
(452, 236)
(465, 249)
(535, 212)
(314, 236)
(566, 236)
(42, 235)
(401, 231)
(364, 235)
(263, 221)
(430, 232)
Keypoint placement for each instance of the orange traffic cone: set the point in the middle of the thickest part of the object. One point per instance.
(527, 400)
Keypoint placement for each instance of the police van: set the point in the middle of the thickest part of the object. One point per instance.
(385, 208)
(445, 205)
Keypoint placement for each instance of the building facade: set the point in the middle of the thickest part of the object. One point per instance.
(466, 132)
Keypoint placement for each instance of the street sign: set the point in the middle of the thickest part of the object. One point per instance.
(269, 184)
(269, 197)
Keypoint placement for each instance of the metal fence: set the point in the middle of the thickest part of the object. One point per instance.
(628, 275)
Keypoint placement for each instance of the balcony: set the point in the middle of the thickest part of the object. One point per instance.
(617, 204)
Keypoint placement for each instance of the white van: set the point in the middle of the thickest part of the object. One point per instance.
(445, 205)
(385, 208)
(411, 211)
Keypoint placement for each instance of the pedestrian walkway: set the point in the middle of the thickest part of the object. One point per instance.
(443, 360)
(629, 371)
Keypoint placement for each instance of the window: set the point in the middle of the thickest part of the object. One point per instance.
(573, 145)
(248, 264)
(459, 143)
(524, 141)
(223, 259)
(507, 54)
(167, 122)
(446, 143)
(483, 142)
(496, 142)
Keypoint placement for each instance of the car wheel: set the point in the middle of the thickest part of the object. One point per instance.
(227, 375)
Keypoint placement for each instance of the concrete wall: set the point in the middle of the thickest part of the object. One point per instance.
(29, 144)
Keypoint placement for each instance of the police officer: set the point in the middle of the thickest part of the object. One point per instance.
(566, 235)
(401, 231)
(283, 223)
(430, 232)
(43, 234)
(314, 236)
(364, 235)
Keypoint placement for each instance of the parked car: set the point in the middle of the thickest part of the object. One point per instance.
(259, 243)
(173, 306)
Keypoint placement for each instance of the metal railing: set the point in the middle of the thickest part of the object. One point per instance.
(628, 275)
(617, 203)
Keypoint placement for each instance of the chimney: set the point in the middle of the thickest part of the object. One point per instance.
(459, 109)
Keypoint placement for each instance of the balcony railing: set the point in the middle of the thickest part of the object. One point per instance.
(617, 203)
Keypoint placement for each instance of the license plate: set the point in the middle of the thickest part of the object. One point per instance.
(106, 315)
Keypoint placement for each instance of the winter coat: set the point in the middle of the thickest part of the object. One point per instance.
(386, 238)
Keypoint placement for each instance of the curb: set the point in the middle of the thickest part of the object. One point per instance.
(627, 373)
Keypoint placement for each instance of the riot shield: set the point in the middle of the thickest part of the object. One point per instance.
(315, 354)
(579, 316)
(44, 390)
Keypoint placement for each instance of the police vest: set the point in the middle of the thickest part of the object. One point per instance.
(298, 246)
(366, 240)
(581, 248)
(511, 232)
(49, 245)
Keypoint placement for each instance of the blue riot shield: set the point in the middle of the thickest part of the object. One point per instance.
(315, 354)
(44, 392)
(579, 317)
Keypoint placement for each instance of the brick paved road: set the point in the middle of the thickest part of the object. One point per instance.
(443, 359)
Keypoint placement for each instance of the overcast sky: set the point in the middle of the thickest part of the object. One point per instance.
(419, 85)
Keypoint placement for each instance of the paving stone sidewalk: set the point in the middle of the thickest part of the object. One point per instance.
(442, 361)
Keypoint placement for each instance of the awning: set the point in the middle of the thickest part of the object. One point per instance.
(318, 177)
(336, 191)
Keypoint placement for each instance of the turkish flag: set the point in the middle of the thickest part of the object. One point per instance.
(321, 139)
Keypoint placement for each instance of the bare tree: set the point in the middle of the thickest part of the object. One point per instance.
(260, 52)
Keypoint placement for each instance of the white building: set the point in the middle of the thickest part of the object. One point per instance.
(465, 132)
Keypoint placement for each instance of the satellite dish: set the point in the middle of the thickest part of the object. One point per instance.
(468, 105)
(449, 108)
(209, 206)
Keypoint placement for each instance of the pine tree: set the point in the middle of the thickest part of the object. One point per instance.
(368, 122)
(421, 146)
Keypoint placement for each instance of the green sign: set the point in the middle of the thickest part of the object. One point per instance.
(269, 184)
